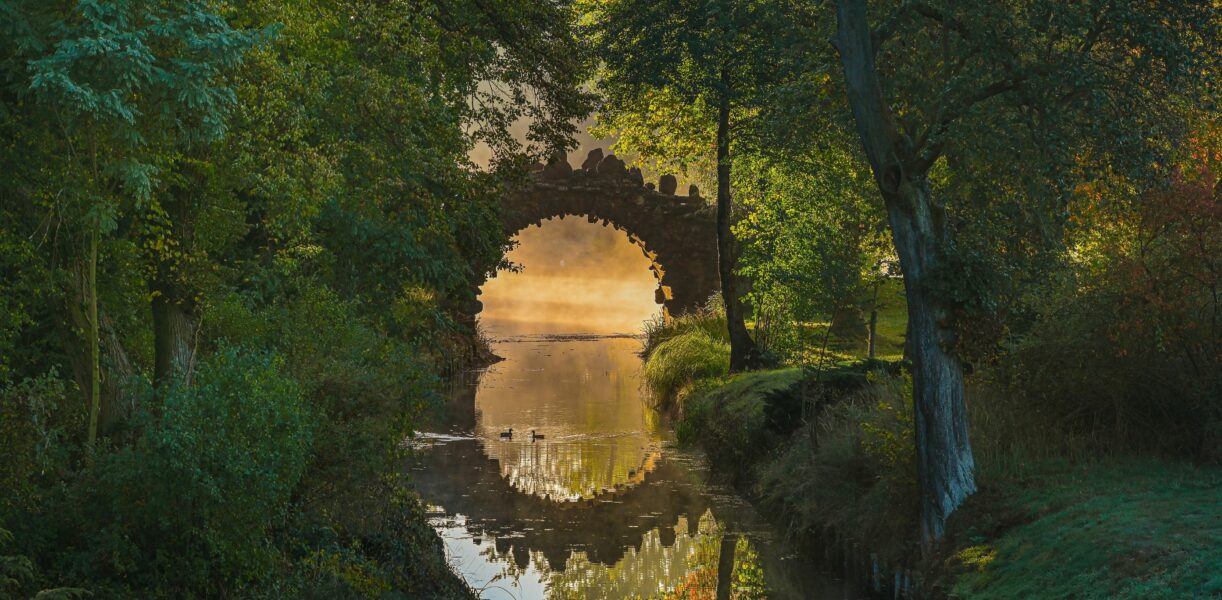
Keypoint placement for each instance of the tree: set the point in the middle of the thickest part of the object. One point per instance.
(703, 61)
(811, 233)
(120, 83)
(1050, 90)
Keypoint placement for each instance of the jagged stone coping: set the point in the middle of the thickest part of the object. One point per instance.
(677, 233)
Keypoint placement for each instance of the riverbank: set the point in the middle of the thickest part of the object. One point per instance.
(828, 451)
(1107, 528)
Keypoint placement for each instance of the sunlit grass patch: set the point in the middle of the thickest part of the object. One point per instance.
(683, 359)
(890, 329)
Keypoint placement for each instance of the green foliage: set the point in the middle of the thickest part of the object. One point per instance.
(36, 422)
(189, 505)
(286, 178)
(739, 419)
(812, 240)
(668, 65)
(14, 569)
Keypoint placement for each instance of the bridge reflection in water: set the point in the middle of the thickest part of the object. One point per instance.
(603, 506)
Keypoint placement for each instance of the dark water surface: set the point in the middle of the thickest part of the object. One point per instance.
(604, 505)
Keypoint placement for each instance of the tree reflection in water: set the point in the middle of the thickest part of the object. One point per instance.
(604, 506)
(683, 569)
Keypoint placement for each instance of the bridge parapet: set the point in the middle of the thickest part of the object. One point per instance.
(677, 233)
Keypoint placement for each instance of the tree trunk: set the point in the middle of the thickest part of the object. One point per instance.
(172, 331)
(945, 467)
(725, 565)
(742, 347)
(92, 341)
(173, 290)
(118, 399)
(873, 334)
(872, 340)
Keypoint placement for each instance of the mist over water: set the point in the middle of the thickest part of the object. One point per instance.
(576, 277)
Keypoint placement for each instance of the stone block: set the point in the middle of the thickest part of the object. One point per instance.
(592, 159)
(612, 167)
(668, 184)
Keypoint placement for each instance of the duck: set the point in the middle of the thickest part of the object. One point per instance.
(535, 436)
(505, 435)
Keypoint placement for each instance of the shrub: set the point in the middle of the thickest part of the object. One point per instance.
(852, 470)
(35, 417)
(187, 508)
(1131, 343)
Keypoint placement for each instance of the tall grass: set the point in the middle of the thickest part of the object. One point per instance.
(1011, 436)
(683, 350)
(681, 360)
(710, 318)
(851, 470)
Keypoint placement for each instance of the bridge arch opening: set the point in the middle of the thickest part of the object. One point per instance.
(578, 274)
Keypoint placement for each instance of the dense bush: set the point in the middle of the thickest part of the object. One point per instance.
(187, 509)
(35, 419)
(1131, 341)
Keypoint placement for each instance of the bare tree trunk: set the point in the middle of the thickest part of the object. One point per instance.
(945, 466)
(725, 565)
(742, 347)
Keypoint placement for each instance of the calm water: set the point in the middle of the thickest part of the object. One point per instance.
(604, 505)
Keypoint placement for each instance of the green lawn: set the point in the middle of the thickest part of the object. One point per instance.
(1129, 529)
(892, 325)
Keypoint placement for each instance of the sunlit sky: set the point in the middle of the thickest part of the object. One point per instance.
(577, 277)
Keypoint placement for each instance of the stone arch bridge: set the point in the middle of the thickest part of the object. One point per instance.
(677, 233)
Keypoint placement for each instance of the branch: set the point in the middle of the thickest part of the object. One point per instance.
(928, 151)
(888, 28)
(950, 22)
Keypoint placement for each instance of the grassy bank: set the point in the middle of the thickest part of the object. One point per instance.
(1121, 528)
(829, 450)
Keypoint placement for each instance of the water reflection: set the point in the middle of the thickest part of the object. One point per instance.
(581, 395)
(604, 506)
(686, 567)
